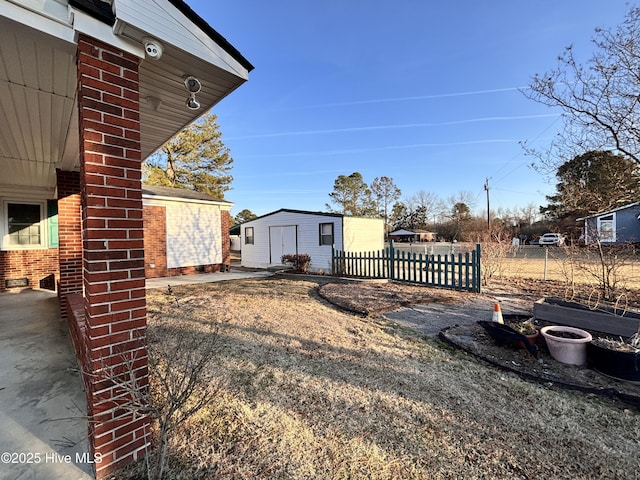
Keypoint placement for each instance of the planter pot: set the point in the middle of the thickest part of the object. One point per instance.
(572, 351)
(533, 339)
(614, 363)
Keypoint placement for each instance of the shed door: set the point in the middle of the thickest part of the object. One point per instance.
(282, 240)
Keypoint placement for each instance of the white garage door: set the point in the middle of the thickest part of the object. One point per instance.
(282, 240)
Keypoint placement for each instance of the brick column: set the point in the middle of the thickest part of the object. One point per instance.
(113, 260)
(69, 236)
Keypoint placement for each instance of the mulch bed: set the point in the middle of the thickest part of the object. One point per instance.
(369, 298)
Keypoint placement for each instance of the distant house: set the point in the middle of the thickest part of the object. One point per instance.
(618, 226)
(267, 238)
(412, 236)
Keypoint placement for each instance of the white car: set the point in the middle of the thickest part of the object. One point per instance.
(554, 239)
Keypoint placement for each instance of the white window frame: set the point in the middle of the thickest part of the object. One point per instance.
(607, 219)
(331, 235)
(247, 237)
(4, 227)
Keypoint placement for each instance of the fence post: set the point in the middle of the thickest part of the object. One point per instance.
(477, 281)
(391, 268)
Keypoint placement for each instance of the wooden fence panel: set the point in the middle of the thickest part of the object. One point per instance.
(459, 272)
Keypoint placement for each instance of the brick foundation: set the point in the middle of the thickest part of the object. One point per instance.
(38, 266)
(225, 224)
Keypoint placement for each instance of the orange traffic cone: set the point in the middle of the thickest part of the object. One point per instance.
(497, 314)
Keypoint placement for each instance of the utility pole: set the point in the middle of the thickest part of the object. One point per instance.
(486, 187)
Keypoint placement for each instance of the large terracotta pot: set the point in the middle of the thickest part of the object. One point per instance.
(572, 351)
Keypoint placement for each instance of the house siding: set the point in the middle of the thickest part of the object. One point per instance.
(626, 223)
(356, 233)
(185, 237)
(363, 234)
(193, 235)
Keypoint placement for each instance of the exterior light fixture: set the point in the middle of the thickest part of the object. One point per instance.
(192, 103)
(193, 86)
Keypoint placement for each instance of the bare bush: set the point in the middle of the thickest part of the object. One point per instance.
(496, 247)
(604, 264)
(180, 352)
(299, 261)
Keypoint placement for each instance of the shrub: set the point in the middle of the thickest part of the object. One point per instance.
(299, 261)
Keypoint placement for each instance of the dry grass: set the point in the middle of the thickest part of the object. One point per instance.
(559, 267)
(308, 391)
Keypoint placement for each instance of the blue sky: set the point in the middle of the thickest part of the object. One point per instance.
(425, 92)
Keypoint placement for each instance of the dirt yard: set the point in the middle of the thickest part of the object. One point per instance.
(310, 390)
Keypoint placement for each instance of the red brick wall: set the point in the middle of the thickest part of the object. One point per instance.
(113, 260)
(35, 265)
(69, 236)
(155, 241)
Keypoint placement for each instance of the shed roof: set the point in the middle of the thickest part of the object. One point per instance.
(180, 193)
(306, 212)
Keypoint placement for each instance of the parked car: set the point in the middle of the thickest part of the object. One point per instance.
(554, 239)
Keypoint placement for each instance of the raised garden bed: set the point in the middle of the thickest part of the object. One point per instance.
(572, 314)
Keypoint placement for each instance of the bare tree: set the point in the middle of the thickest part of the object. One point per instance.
(385, 192)
(599, 101)
(427, 205)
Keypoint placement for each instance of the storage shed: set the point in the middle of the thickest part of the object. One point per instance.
(267, 238)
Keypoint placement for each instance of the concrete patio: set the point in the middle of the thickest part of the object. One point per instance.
(42, 401)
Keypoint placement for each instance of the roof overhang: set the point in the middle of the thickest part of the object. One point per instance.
(600, 214)
(38, 104)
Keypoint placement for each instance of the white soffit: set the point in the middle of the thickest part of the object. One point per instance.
(166, 23)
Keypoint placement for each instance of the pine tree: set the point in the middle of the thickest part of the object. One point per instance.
(196, 158)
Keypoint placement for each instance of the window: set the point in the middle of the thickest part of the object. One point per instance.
(248, 236)
(326, 234)
(24, 225)
(607, 229)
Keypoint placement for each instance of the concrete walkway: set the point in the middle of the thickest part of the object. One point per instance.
(163, 282)
(43, 425)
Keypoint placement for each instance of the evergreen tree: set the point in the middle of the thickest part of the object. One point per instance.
(352, 196)
(195, 159)
(593, 182)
